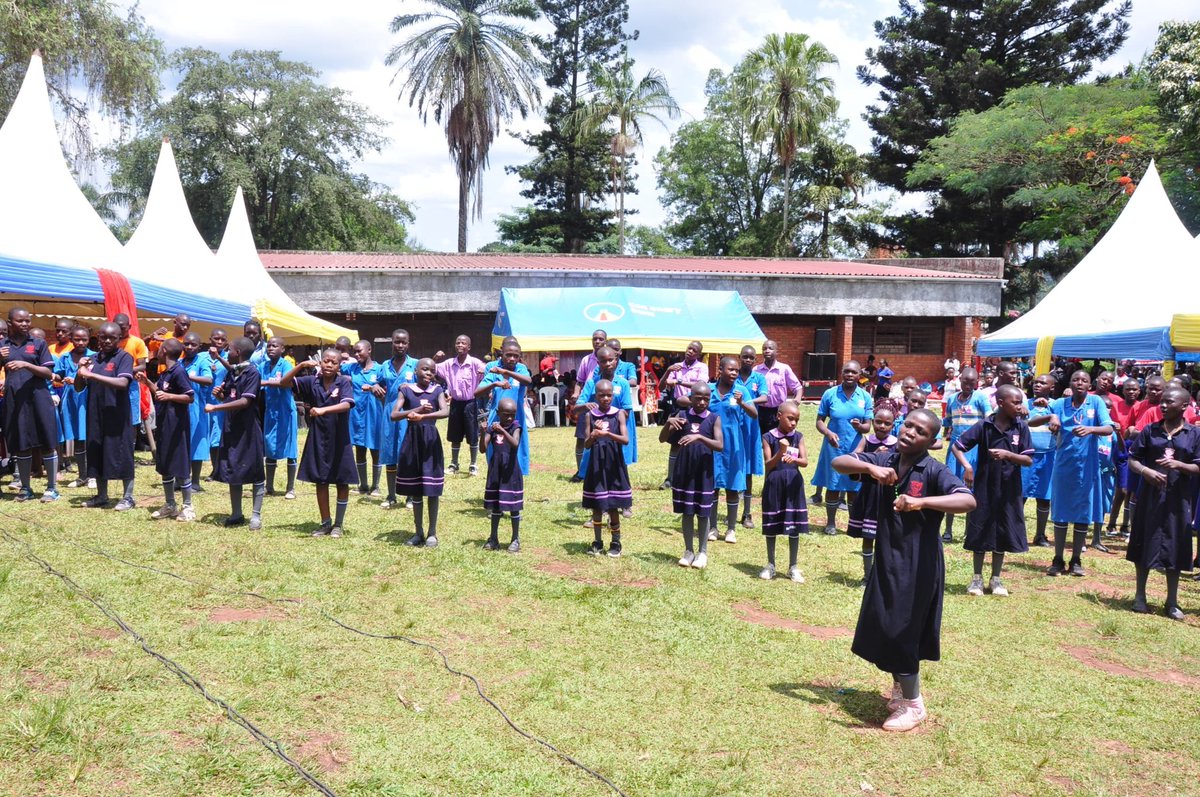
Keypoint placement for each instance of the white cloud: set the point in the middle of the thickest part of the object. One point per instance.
(683, 40)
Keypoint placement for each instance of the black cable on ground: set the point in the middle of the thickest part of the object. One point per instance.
(392, 637)
(272, 745)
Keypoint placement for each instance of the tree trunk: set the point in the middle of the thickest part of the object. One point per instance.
(621, 212)
(463, 190)
(787, 200)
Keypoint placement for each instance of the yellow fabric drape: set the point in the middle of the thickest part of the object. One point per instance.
(1045, 350)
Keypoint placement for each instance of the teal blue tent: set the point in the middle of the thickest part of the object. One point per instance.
(664, 319)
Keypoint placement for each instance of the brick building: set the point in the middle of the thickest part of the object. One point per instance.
(911, 312)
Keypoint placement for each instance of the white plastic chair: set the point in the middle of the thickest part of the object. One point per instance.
(548, 405)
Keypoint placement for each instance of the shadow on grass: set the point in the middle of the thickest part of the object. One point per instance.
(397, 537)
(657, 557)
(862, 709)
(1109, 602)
(749, 568)
(844, 580)
(576, 548)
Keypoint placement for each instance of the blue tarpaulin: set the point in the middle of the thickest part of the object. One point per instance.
(665, 319)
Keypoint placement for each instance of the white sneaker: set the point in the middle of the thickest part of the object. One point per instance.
(687, 559)
(795, 575)
(712, 535)
(165, 513)
(700, 561)
(91, 484)
(976, 587)
(996, 588)
(186, 515)
(768, 572)
(731, 536)
(908, 715)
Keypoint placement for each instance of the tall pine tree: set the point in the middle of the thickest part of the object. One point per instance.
(570, 176)
(938, 59)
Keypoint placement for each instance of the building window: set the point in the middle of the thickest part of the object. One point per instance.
(899, 336)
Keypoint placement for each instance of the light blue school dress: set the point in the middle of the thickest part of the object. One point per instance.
(200, 365)
(1078, 481)
(752, 387)
(217, 419)
(960, 416)
(839, 410)
(729, 465)
(280, 427)
(1037, 479)
(622, 400)
(391, 433)
(517, 394)
(72, 406)
(367, 411)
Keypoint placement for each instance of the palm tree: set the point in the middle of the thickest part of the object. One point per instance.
(617, 97)
(789, 99)
(472, 66)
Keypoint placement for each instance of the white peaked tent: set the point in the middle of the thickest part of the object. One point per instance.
(1120, 299)
(237, 263)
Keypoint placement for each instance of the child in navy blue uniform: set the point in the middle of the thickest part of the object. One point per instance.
(109, 431)
(900, 621)
(240, 455)
(504, 489)
(420, 469)
(1165, 455)
(784, 511)
(695, 435)
(30, 420)
(173, 396)
(328, 456)
(998, 522)
(864, 508)
(606, 486)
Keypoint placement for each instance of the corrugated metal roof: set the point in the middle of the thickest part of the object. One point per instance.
(379, 261)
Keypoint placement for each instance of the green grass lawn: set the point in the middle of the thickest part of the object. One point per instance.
(666, 680)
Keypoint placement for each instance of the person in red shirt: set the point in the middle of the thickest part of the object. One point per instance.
(1122, 409)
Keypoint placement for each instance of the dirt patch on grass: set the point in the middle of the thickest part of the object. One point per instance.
(575, 573)
(326, 749)
(1064, 783)
(759, 616)
(106, 633)
(1114, 747)
(180, 740)
(228, 614)
(1091, 658)
(40, 682)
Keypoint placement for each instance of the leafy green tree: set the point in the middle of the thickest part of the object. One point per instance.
(568, 178)
(940, 59)
(266, 124)
(89, 43)
(833, 176)
(1173, 69)
(472, 65)
(789, 100)
(625, 101)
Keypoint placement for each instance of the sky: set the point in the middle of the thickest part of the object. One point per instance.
(348, 47)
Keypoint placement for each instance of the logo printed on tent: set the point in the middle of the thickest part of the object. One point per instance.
(603, 312)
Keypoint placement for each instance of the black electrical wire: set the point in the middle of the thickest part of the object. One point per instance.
(393, 637)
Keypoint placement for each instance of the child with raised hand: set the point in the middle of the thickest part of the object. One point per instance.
(504, 488)
(240, 455)
(328, 458)
(73, 403)
(1165, 455)
(173, 396)
(420, 467)
(864, 508)
(1037, 479)
(280, 426)
(899, 623)
(606, 485)
(365, 416)
(998, 522)
(107, 377)
(199, 369)
(784, 511)
(507, 378)
(695, 434)
(730, 465)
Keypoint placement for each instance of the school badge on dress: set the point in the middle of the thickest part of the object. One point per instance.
(916, 489)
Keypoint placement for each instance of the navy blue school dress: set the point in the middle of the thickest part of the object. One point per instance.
(504, 489)
(30, 420)
(998, 522)
(693, 490)
(865, 506)
(421, 469)
(240, 456)
(1161, 533)
(900, 622)
(606, 483)
(328, 456)
(784, 507)
(109, 431)
(517, 394)
(173, 426)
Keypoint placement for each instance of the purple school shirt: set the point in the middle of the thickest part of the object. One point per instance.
(781, 382)
(696, 372)
(461, 378)
(586, 367)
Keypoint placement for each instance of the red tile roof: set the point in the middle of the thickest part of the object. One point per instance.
(387, 261)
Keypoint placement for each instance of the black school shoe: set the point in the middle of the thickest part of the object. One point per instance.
(1057, 568)
(514, 546)
(614, 550)
(415, 540)
(1173, 613)
(597, 548)
(231, 521)
(1076, 568)
(492, 544)
(1140, 607)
